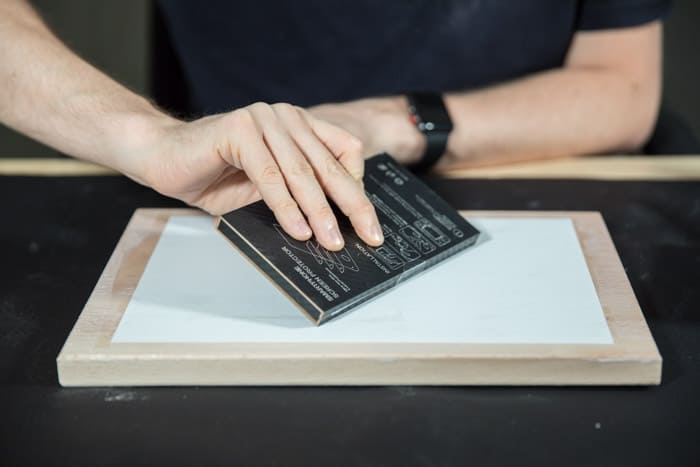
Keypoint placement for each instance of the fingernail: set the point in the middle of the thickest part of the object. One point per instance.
(376, 233)
(335, 237)
(303, 228)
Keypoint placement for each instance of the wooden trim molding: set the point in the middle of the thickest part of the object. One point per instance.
(52, 167)
(655, 168)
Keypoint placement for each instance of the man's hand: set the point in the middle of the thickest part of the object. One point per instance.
(278, 153)
(382, 124)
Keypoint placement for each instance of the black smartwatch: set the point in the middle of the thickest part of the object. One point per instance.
(430, 116)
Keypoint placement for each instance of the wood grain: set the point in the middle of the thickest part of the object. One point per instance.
(88, 357)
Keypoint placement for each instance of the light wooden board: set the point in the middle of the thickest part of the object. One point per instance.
(89, 356)
(592, 168)
(52, 167)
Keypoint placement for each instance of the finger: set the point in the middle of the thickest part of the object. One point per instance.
(264, 172)
(228, 193)
(336, 181)
(298, 174)
(344, 146)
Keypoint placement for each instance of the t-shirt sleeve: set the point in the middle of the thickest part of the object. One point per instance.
(611, 14)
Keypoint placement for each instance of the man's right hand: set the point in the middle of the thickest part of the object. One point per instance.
(295, 162)
(279, 153)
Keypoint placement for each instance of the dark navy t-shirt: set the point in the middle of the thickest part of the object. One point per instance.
(308, 52)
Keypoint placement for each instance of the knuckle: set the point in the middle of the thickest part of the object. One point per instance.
(302, 112)
(270, 174)
(301, 170)
(260, 108)
(284, 108)
(258, 105)
(240, 118)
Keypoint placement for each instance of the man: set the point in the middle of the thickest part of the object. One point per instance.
(506, 81)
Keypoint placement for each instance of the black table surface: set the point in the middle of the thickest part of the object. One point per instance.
(56, 236)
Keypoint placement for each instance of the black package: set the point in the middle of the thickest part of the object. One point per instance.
(420, 230)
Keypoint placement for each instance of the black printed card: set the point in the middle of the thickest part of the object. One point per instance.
(420, 230)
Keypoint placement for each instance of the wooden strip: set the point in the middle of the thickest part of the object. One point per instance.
(592, 168)
(52, 167)
(587, 168)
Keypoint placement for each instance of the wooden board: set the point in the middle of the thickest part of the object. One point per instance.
(582, 168)
(629, 168)
(90, 358)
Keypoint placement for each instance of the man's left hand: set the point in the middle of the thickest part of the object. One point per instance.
(382, 124)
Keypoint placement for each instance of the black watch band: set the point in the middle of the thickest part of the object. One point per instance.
(430, 116)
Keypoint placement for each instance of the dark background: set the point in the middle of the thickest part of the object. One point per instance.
(115, 36)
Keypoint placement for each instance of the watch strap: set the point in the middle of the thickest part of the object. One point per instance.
(430, 116)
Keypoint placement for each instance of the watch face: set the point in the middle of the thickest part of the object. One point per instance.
(431, 112)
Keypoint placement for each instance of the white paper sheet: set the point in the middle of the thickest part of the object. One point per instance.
(526, 281)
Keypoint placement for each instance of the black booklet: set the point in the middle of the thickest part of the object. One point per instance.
(420, 230)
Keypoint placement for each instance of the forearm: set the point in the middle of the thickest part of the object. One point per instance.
(50, 94)
(603, 100)
(564, 112)
(279, 153)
